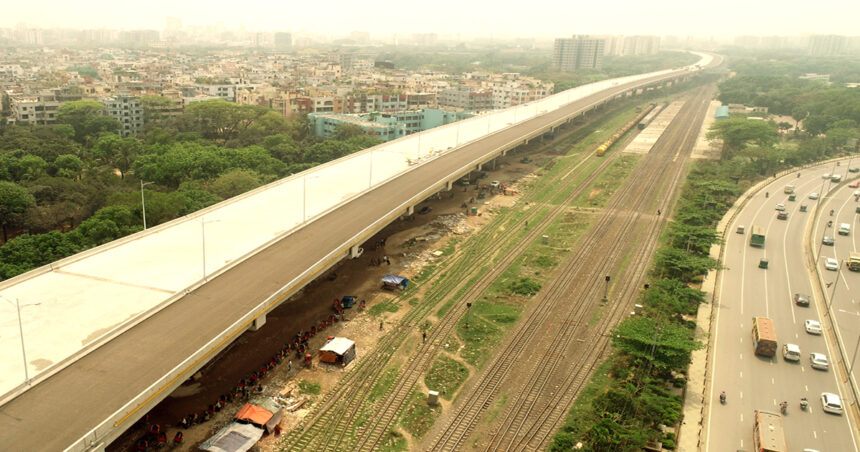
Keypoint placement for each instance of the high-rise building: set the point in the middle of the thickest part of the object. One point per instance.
(578, 52)
(826, 45)
(283, 40)
(127, 110)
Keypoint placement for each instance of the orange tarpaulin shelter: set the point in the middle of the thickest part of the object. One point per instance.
(254, 414)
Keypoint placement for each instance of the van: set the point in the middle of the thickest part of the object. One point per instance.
(791, 352)
(844, 229)
(789, 189)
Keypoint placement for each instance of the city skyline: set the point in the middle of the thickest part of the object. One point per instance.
(543, 18)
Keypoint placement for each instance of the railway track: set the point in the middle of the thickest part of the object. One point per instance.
(543, 400)
(339, 415)
(527, 426)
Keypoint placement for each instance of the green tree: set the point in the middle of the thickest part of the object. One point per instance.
(660, 345)
(26, 252)
(117, 152)
(14, 201)
(235, 182)
(69, 166)
(737, 133)
(87, 118)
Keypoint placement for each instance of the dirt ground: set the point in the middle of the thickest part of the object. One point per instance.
(410, 243)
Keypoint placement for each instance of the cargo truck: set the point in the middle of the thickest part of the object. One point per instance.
(764, 336)
(757, 236)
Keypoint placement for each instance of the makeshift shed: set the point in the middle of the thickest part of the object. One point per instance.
(338, 350)
(392, 282)
(263, 413)
(234, 437)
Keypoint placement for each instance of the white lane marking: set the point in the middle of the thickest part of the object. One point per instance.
(741, 394)
(848, 312)
(741, 374)
(815, 434)
(772, 381)
(742, 420)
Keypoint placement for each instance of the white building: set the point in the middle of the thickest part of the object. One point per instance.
(127, 110)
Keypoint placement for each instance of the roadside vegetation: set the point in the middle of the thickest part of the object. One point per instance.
(638, 389)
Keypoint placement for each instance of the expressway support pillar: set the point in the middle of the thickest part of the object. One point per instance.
(411, 209)
(480, 167)
(97, 448)
(355, 252)
(449, 185)
(494, 164)
(258, 322)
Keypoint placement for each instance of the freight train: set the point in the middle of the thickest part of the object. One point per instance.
(603, 147)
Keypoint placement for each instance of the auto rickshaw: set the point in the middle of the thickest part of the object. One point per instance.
(762, 263)
(803, 207)
(857, 209)
(792, 197)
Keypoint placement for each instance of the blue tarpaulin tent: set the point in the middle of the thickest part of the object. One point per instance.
(394, 282)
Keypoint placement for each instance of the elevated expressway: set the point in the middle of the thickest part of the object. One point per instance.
(90, 399)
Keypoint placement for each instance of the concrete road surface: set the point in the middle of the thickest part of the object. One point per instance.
(746, 291)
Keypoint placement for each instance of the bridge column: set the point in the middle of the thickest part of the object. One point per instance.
(449, 185)
(355, 252)
(480, 167)
(97, 448)
(411, 209)
(258, 322)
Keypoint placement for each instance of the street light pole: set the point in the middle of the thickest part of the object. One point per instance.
(143, 201)
(203, 239)
(835, 283)
(854, 359)
(21, 333)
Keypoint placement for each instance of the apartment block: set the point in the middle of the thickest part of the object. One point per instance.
(386, 126)
(826, 45)
(40, 109)
(578, 52)
(127, 110)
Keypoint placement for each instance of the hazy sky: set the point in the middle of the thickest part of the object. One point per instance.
(468, 17)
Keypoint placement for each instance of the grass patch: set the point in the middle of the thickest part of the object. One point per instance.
(598, 193)
(524, 286)
(418, 416)
(393, 441)
(483, 327)
(383, 384)
(385, 306)
(309, 388)
(445, 376)
(494, 411)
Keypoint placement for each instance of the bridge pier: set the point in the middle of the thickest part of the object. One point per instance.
(96, 448)
(479, 167)
(411, 209)
(449, 185)
(258, 322)
(356, 251)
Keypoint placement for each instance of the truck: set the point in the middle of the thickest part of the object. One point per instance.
(764, 336)
(789, 189)
(854, 262)
(757, 236)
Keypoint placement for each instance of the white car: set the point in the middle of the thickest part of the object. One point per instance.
(494, 184)
(830, 403)
(813, 195)
(813, 327)
(780, 207)
(825, 176)
(831, 264)
(818, 361)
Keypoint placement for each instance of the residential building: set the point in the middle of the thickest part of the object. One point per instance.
(40, 109)
(578, 52)
(826, 45)
(224, 91)
(283, 41)
(127, 110)
(386, 126)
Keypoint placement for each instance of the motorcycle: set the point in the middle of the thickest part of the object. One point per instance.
(829, 223)
(803, 403)
(767, 194)
(723, 397)
(783, 407)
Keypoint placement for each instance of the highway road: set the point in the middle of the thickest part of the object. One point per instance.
(746, 291)
(842, 297)
(97, 387)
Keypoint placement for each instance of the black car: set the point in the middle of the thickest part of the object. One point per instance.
(827, 240)
(801, 299)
